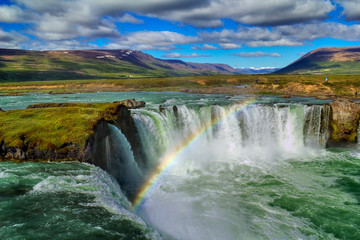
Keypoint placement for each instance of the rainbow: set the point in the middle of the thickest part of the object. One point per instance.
(166, 160)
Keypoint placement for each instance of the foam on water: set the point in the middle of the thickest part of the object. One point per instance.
(243, 178)
(68, 201)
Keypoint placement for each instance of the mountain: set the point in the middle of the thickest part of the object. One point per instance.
(337, 60)
(261, 70)
(27, 65)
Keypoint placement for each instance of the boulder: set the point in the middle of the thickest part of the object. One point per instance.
(132, 103)
(162, 109)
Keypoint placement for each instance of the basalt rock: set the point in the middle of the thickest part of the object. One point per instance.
(126, 124)
(344, 121)
(162, 109)
(26, 153)
(132, 103)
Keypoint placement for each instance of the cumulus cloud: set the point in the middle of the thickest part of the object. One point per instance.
(12, 14)
(178, 55)
(57, 28)
(351, 9)
(268, 13)
(200, 13)
(274, 22)
(250, 36)
(162, 40)
(289, 35)
(127, 18)
(204, 47)
(229, 45)
(312, 31)
(11, 39)
(256, 54)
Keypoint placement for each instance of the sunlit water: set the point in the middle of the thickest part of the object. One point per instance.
(258, 174)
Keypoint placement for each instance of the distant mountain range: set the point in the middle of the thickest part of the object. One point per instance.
(260, 70)
(337, 60)
(26, 65)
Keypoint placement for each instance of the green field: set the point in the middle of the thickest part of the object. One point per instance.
(339, 85)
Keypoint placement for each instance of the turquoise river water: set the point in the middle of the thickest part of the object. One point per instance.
(261, 172)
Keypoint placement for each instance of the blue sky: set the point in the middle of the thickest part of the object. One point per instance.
(241, 33)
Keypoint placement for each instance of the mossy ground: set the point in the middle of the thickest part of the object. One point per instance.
(51, 127)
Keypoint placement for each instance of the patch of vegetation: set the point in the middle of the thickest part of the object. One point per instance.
(53, 125)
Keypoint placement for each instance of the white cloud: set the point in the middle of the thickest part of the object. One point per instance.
(200, 13)
(312, 31)
(229, 45)
(57, 28)
(294, 22)
(204, 47)
(145, 40)
(178, 55)
(11, 14)
(270, 12)
(12, 39)
(250, 36)
(256, 54)
(289, 35)
(351, 9)
(127, 18)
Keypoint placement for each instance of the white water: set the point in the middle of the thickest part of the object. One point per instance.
(206, 192)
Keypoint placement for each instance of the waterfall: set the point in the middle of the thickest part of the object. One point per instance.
(256, 132)
(316, 130)
(121, 163)
(233, 150)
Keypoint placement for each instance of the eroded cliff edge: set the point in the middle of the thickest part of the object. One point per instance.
(64, 131)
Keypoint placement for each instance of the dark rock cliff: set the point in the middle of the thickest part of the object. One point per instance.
(344, 121)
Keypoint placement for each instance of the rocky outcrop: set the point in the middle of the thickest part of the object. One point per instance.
(344, 121)
(68, 151)
(132, 103)
(23, 148)
(97, 144)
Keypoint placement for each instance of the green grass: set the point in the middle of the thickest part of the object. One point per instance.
(308, 66)
(51, 127)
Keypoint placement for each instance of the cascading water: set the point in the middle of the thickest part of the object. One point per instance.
(258, 131)
(224, 185)
(120, 161)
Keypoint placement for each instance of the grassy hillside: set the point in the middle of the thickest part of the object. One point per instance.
(22, 65)
(344, 60)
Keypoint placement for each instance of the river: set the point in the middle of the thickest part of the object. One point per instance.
(217, 167)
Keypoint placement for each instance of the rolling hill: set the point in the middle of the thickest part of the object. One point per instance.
(337, 60)
(26, 65)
